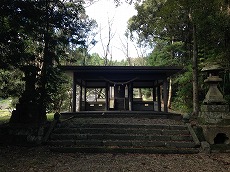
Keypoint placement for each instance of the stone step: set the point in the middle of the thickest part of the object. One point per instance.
(121, 114)
(145, 150)
(120, 137)
(123, 126)
(122, 143)
(120, 131)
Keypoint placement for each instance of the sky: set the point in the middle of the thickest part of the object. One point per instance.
(104, 11)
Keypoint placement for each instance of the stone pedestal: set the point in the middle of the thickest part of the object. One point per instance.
(215, 121)
(29, 113)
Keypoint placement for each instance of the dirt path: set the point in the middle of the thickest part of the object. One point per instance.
(40, 159)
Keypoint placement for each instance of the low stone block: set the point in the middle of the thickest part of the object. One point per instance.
(212, 115)
(215, 115)
(215, 108)
(226, 115)
(205, 147)
(210, 132)
(212, 121)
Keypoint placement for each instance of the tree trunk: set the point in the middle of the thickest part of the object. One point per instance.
(194, 68)
(195, 75)
(139, 93)
(44, 68)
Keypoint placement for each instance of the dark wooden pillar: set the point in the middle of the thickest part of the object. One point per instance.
(154, 94)
(154, 97)
(74, 94)
(80, 97)
(165, 94)
(159, 98)
(130, 96)
(107, 96)
(85, 92)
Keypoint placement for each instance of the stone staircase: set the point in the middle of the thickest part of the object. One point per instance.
(124, 134)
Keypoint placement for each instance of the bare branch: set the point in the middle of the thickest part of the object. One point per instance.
(90, 2)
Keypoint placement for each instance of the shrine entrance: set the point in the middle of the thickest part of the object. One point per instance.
(120, 98)
(112, 88)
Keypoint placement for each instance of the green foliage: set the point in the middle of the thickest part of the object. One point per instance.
(50, 116)
(166, 53)
(121, 63)
(147, 92)
(171, 22)
(95, 60)
(182, 88)
(11, 83)
(60, 99)
(4, 119)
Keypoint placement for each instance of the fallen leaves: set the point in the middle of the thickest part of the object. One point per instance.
(40, 159)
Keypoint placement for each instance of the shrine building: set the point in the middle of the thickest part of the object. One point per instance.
(112, 88)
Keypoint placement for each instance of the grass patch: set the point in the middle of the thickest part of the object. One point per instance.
(4, 116)
(5, 103)
(4, 113)
(50, 116)
(4, 119)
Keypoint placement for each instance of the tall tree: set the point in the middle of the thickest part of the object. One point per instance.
(39, 33)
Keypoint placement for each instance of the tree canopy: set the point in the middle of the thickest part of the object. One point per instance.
(171, 21)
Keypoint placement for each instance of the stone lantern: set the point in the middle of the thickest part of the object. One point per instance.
(28, 110)
(27, 123)
(213, 96)
(214, 116)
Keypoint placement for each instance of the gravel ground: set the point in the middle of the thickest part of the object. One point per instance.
(40, 159)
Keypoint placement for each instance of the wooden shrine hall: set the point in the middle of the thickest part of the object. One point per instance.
(112, 88)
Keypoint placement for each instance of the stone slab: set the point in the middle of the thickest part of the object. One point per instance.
(124, 150)
(212, 115)
(205, 147)
(226, 116)
(214, 108)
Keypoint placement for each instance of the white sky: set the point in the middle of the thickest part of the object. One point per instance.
(104, 11)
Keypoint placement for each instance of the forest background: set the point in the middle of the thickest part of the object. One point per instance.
(50, 33)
